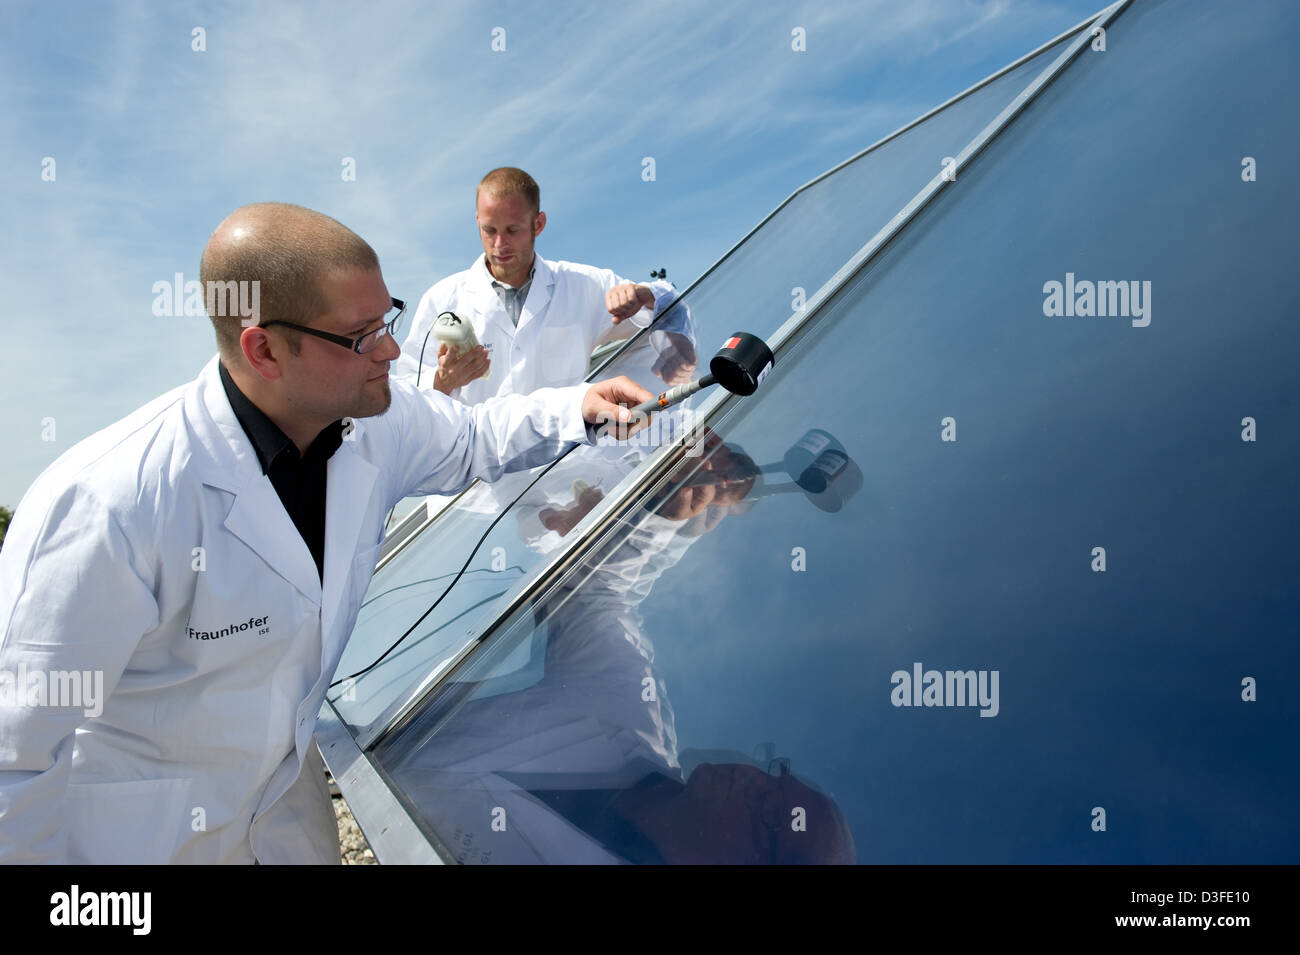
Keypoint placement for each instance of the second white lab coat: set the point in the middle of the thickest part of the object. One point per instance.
(157, 554)
(562, 321)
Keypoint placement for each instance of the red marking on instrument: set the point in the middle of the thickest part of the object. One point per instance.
(663, 400)
(732, 342)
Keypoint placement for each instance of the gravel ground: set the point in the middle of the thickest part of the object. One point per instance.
(353, 844)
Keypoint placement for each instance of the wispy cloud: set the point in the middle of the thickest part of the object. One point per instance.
(155, 143)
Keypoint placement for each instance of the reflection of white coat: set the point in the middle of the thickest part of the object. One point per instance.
(562, 320)
(157, 553)
(589, 723)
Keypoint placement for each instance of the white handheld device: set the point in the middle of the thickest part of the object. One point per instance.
(457, 334)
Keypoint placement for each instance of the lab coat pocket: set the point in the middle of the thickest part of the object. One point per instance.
(562, 356)
(134, 823)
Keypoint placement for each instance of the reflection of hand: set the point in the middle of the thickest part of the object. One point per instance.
(737, 474)
(687, 501)
(457, 369)
(624, 300)
(721, 479)
(677, 362)
(564, 519)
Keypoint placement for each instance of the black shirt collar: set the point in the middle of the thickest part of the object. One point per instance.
(267, 439)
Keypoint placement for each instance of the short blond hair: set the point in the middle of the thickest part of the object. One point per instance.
(507, 181)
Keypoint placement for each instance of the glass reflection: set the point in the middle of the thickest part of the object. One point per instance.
(564, 746)
(801, 247)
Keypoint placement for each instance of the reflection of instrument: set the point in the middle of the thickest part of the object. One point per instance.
(829, 482)
(739, 366)
(805, 451)
(822, 471)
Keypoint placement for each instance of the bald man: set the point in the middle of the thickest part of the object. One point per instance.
(176, 590)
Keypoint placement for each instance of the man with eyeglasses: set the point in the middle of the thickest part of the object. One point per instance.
(176, 590)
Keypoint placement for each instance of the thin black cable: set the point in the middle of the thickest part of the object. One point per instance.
(546, 470)
(461, 572)
(470, 609)
(429, 580)
(425, 344)
(419, 369)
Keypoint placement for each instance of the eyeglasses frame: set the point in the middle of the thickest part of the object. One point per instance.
(351, 343)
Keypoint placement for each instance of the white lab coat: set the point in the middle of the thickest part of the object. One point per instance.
(203, 752)
(562, 321)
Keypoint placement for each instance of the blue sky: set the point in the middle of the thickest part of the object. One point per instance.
(154, 143)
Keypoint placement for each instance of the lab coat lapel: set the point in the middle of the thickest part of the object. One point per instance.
(539, 293)
(488, 304)
(225, 459)
(259, 519)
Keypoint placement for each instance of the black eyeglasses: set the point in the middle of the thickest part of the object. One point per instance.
(367, 342)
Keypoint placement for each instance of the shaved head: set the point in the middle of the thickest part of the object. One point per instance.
(286, 250)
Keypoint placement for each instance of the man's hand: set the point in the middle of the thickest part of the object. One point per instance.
(455, 371)
(677, 361)
(601, 405)
(628, 299)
